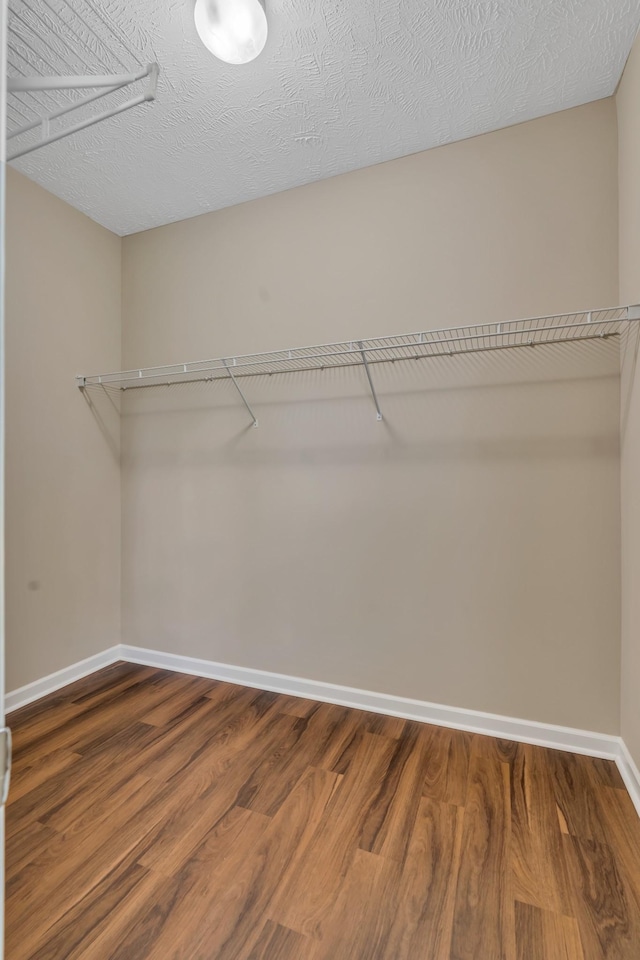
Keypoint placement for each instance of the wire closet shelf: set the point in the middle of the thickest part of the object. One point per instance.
(62, 57)
(445, 342)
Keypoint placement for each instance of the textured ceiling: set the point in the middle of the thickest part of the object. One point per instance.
(340, 85)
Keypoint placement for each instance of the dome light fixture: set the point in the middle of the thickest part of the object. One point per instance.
(233, 30)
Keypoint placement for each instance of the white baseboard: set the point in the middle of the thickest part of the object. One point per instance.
(629, 773)
(510, 728)
(557, 737)
(40, 688)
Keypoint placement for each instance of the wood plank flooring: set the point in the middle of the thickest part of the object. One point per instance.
(156, 815)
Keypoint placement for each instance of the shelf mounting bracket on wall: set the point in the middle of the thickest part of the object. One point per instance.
(368, 372)
(105, 85)
(244, 399)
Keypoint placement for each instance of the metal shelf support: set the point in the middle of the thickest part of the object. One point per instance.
(244, 399)
(373, 389)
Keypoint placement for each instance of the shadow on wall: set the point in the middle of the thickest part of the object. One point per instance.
(629, 346)
(557, 402)
(105, 407)
(464, 550)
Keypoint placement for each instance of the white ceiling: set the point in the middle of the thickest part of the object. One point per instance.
(342, 84)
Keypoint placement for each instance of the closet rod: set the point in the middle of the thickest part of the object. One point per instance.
(104, 84)
(27, 84)
(61, 111)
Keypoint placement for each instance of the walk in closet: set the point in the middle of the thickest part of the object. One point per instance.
(321, 484)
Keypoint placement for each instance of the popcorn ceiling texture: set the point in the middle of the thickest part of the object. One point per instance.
(339, 86)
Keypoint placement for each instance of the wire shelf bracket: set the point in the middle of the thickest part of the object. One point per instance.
(368, 373)
(239, 389)
(533, 332)
(105, 84)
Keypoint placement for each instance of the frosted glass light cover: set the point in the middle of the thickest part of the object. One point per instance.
(233, 30)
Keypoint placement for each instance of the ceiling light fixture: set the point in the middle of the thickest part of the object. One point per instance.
(233, 30)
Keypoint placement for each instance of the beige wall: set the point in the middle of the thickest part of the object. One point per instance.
(628, 104)
(63, 479)
(466, 550)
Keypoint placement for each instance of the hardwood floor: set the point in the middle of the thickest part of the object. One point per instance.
(156, 815)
